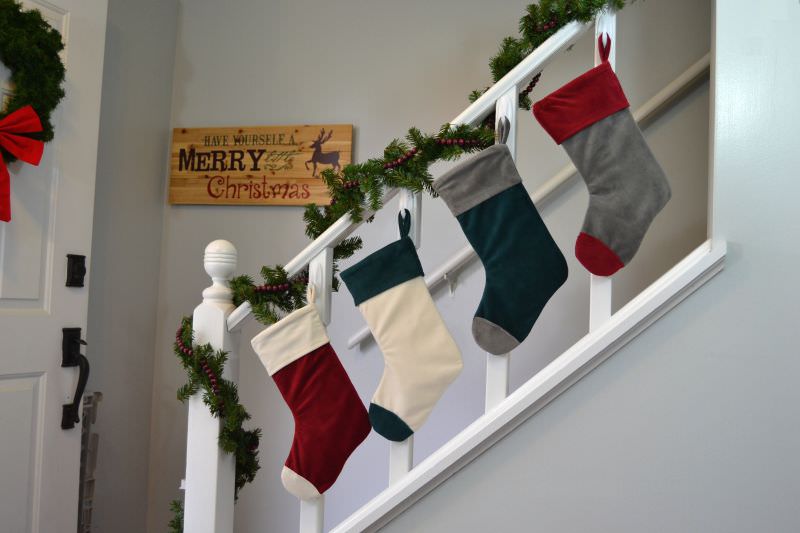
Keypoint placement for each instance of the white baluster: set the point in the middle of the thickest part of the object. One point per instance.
(497, 366)
(401, 454)
(600, 293)
(209, 470)
(600, 287)
(497, 369)
(507, 106)
(401, 459)
(312, 515)
(320, 274)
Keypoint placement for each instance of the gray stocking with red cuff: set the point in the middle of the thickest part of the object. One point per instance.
(590, 118)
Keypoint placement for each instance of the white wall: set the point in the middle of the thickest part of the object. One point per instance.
(123, 294)
(385, 66)
(693, 426)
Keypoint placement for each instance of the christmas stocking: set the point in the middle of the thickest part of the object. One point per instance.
(421, 358)
(330, 420)
(589, 116)
(524, 267)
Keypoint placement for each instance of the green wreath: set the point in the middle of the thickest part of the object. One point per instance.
(29, 48)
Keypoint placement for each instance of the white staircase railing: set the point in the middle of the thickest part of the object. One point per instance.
(209, 476)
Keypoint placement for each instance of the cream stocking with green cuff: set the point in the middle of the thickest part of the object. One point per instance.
(421, 358)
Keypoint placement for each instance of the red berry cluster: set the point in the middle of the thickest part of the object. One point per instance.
(402, 159)
(547, 25)
(350, 184)
(527, 90)
(459, 142)
(280, 287)
(185, 350)
(212, 378)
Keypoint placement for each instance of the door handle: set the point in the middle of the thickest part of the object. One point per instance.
(71, 356)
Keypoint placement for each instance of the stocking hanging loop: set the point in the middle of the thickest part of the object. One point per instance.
(404, 222)
(503, 129)
(604, 48)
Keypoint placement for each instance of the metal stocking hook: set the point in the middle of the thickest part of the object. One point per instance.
(71, 356)
(503, 130)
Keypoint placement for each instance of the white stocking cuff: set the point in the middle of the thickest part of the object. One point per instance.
(290, 338)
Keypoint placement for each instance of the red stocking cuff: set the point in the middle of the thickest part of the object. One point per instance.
(590, 97)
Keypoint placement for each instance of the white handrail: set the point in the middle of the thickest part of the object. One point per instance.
(563, 39)
(648, 111)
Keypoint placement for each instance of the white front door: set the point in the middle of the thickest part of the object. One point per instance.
(51, 211)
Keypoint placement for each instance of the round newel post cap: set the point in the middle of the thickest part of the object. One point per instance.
(219, 261)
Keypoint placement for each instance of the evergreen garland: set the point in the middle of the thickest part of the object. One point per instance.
(30, 49)
(204, 368)
(356, 187)
(540, 22)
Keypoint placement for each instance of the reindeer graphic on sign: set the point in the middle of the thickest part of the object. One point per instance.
(320, 157)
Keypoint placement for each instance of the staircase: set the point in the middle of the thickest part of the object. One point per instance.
(209, 485)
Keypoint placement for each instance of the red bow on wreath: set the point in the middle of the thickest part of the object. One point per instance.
(23, 120)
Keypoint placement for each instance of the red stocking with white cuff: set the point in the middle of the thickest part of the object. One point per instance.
(330, 419)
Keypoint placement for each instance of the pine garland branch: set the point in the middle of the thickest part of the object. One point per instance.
(176, 523)
(539, 23)
(204, 367)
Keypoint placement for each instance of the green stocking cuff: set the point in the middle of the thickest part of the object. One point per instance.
(388, 267)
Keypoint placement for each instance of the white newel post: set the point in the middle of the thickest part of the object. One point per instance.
(209, 470)
(600, 287)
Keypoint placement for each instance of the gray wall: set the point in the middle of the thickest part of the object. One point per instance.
(123, 295)
(693, 426)
(385, 66)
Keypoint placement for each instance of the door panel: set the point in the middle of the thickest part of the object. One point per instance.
(51, 209)
(20, 408)
(26, 253)
(25, 256)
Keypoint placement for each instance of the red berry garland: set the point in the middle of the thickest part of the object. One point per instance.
(442, 142)
(527, 90)
(280, 287)
(212, 377)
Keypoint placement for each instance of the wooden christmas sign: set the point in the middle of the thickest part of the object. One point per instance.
(268, 165)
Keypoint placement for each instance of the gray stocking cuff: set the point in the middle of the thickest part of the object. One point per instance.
(476, 180)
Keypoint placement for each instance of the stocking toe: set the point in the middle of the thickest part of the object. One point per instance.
(598, 258)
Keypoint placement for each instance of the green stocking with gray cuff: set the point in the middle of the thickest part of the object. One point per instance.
(523, 265)
(420, 356)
